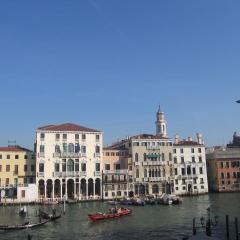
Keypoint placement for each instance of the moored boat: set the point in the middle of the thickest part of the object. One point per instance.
(113, 213)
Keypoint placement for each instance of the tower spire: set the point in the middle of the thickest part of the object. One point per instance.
(161, 123)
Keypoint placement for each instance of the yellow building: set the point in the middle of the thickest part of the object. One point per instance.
(17, 167)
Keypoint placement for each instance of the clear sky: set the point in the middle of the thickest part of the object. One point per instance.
(108, 64)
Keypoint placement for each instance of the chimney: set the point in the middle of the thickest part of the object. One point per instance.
(199, 138)
(189, 139)
(177, 139)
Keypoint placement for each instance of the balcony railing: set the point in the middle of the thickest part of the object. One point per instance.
(116, 171)
(97, 173)
(41, 154)
(152, 163)
(154, 179)
(40, 174)
(96, 154)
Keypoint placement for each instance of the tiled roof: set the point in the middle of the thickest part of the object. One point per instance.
(187, 143)
(148, 136)
(14, 149)
(67, 127)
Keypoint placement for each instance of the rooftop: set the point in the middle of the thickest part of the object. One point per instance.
(67, 127)
(14, 149)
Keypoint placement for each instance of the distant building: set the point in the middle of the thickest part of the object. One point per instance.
(69, 161)
(189, 166)
(115, 172)
(224, 169)
(17, 168)
(235, 142)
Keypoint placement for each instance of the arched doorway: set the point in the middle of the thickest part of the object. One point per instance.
(131, 194)
(155, 189)
(90, 187)
(83, 187)
(41, 188)
(142, 190)
(70, 188)
(57, 188)
(98, 187)
(49, 188)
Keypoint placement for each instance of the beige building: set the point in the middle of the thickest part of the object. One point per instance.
(69, 161)
(115, 172)
(17, 168)
(150, 155)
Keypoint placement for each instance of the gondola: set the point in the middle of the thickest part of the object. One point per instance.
(23, 226)
(51, 217)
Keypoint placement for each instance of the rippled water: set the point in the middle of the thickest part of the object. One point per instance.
(149, 222)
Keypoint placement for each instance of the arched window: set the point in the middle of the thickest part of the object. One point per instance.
(156, 173)
(136, 157)
(150, 173)
(145, 172)
(57, 149)
(153, 173)
(70, 165)
(155, 189)
(41, 167)
(70, 148)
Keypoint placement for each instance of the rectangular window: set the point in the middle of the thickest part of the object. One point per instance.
(64, 136)
(174, 150)
(97, 137)
(170, 156)
(83, 166)
(76, 137)
(201, 180)
(25, 157)
(23, 194)
(97, 167)
(8, 156)
(76, 165)
(183, 171)
(42, 136)
(175, 171)
(192, 150)
(97, 149)
(117, 166)
(64, 168)
(25, 168)
(0, 168)
(16, 157)
(200, 159)
(83, 149)
(182, 159)
(193, 159)
(57, 136)
(222, 175)
(175, 159)
(83, 137)
(15, 169)
(176, 181)
(7, 181)
(199, 150)
(181, 150)
(194, 171)
(57, 167)
(234, 175)
(41, 167)
(228, 175)
(227, 164)
(32, 168)
(221, 164)
(200, 170)
(0, 156)
(107, 166)
(7, 168)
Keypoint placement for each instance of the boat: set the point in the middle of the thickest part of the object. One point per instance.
(112, 202)
(23, 211)
(70, 201)
(51, 217)
(23, 226)
(139, 202)
(113, 213)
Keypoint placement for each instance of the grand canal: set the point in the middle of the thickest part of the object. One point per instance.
(149, 222)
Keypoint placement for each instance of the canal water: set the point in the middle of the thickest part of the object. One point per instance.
(149, 222)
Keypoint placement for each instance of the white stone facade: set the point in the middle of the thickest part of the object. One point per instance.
(188, 167)
(68, 162)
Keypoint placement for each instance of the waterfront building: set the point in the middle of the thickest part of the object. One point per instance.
(224, 169)
(149, 157)
(17, 168)
(188, 166)
(68, 161)
(115, 172)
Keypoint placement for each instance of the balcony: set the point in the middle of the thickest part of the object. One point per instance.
(83, 174)
(152, 163)
(97, 155)
(97, 173)
(41, 154)
(40, 174)
(116, 171)
(83, 154)
(153, 147)
(156, 179)
(70, 155)
(57, 174)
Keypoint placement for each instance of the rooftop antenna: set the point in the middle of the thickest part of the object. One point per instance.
(12, 143)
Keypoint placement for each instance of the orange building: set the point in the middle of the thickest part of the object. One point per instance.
(223, 168)
(115, 172)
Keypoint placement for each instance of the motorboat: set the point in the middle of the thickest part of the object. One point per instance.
(113, 213)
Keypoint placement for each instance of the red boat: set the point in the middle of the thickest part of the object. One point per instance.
(113, 213)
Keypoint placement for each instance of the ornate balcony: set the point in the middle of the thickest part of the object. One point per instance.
(40, 174)
(97, 173)
(152, 163)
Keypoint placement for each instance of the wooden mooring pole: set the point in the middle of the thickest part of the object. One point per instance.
(236, 228)
(194, 227)
(227, 227)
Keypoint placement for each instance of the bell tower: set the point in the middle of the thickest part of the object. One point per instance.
(161, 124)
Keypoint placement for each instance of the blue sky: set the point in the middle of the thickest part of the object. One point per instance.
(108, 64)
